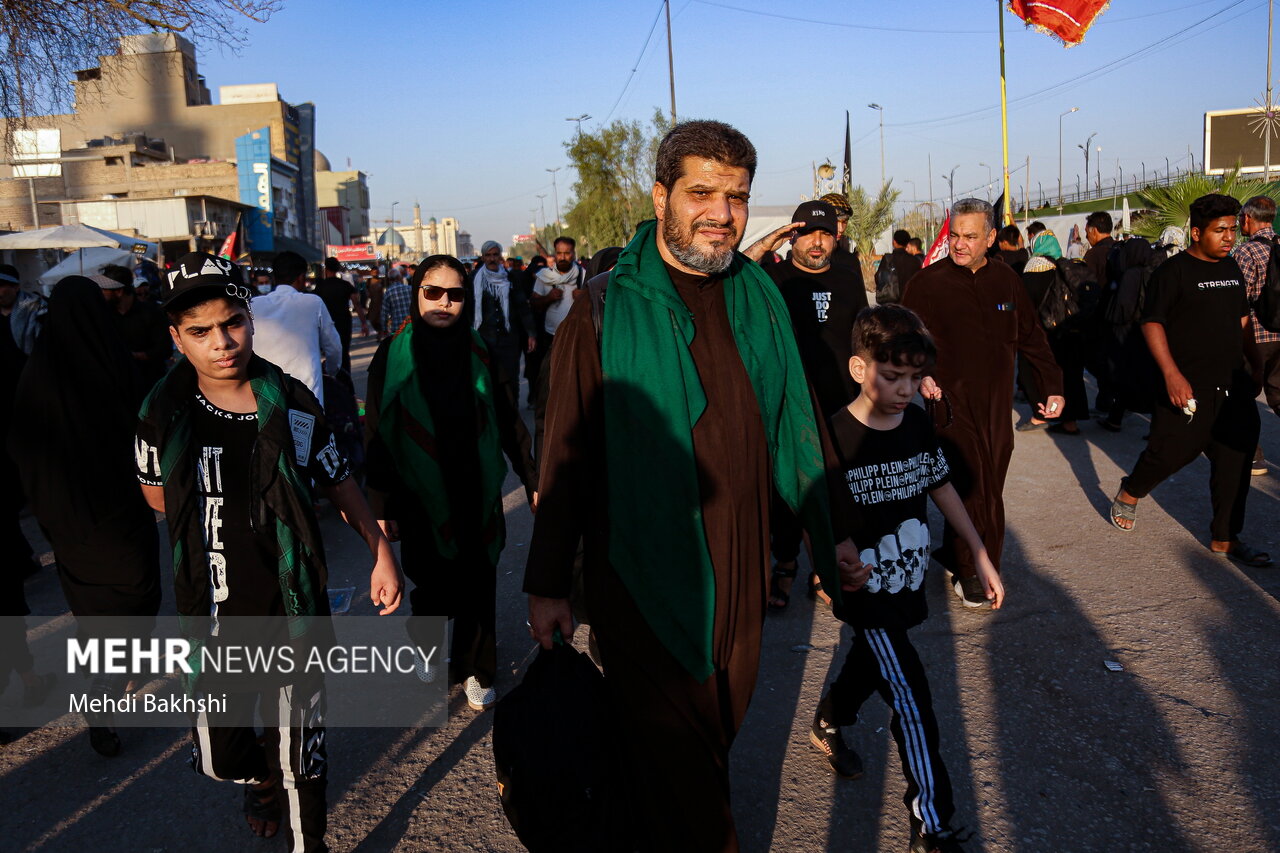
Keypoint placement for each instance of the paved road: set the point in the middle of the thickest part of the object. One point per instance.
(1048, 750)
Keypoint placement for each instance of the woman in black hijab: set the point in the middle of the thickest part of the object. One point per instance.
(72, 439)
(439, 415)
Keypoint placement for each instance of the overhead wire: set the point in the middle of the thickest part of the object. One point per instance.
(636, 65)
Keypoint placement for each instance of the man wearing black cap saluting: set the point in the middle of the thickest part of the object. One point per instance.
(823, 301)
(226, 437)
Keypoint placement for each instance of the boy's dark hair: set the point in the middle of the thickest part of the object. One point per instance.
(714, 140)
(332, 265)
(1100, 221)
(115, 272)
(176, 311)
(1009, 235)
(573, 244)
(1212, 206)
(1035, 228)
(917, 242)
(901, 237)
(894, 335)
(287, 266)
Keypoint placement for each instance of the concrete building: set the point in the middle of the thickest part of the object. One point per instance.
(347, 191)
(144, 126)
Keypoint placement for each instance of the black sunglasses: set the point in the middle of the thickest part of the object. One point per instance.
(435, 294)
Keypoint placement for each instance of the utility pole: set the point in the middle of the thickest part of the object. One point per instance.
(543, 208)
(671, 64)
(1085, 147)
(1004, 114)
(579, 119)
(1067, 113)
(1267, 126)
(880, 110)
(555, 193)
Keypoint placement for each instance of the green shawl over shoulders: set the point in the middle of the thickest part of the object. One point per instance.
(653, 396)
(407, 428)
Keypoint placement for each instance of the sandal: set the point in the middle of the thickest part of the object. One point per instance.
(1246, 556)
(1123, 511)
(263, 804)
(1031, 426)
(775, 588)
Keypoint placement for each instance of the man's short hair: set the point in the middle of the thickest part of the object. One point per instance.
(892, 334)
(1212, 206)
(1035, 228)
(287, 266)
(917, 242)
(573, 244)
(900, 237)
(1099, 221)
(332, 265)
(1260, 208)
(714, 140)
(975, 205)
(1009, 235)
(115, 272)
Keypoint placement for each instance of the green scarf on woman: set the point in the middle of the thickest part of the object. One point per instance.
(652, 399)
(407, 428)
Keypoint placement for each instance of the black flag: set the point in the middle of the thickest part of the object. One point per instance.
(847, 181)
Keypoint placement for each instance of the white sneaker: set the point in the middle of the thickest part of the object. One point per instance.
(479, 697)
(426, 672)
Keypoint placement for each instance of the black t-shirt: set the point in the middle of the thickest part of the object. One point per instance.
(1200, 304)
(242, 556)
(823, 307)
(889, 473)
(336, 296)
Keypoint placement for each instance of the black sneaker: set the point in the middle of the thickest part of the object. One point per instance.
(945, 840)
(826, 737)
(971, 592)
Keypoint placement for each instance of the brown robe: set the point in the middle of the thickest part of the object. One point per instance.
(678, 729)
(980, 322)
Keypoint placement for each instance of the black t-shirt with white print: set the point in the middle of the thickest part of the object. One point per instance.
(242, 558)
(889, 473)
(1200, 304)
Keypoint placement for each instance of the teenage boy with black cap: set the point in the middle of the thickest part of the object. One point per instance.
(823, 300)
(221, 421)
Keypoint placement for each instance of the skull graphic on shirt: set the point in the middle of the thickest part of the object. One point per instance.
(899, 559)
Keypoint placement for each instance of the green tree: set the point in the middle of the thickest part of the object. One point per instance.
(1171, 205)
(869, 219)
(615, 169)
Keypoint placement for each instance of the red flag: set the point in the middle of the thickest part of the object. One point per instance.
(940, 248)
(1069, 20)
(228, 246)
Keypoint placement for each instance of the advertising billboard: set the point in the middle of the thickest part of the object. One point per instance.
(351, 254)
(1235, 136)
(253, 168)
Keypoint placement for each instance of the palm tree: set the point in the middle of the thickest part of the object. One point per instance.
(1171, 205)
(869, 219)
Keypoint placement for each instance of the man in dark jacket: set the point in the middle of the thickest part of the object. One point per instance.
(500, 311)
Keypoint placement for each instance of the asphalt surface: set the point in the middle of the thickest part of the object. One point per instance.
(1047, 748)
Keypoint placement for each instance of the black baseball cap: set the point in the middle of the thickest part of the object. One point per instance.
(197, 271)
(816, 216)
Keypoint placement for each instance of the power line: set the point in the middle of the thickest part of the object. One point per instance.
(636, 65)
(830, 23)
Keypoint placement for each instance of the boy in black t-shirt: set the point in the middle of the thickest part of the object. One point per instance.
(1194, 319)
(226, 447)
(891, 460)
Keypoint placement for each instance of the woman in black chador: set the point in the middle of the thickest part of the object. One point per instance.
(440, 414)
(72, 438)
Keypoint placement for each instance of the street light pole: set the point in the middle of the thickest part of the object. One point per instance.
(951, 187)
(880, 110)
(990, 179)
(579, 119)
(1067, 113)
(1088, 142)
(543, 207)
(1098, 169)
(555, 193)
(391, 225)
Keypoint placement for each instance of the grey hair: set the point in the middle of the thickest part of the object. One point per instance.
(1259, 208)
(975, 205)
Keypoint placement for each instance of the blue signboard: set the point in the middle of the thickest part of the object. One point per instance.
(253, 167)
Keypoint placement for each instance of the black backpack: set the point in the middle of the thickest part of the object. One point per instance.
(1073, 296)
(552, 751)
(888, 288)
(1267, 306)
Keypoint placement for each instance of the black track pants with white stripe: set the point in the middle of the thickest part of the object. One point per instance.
(883, 661)
(292, 744)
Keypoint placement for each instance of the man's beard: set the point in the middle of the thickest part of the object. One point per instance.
(707, 261)
(564, 266)
(804, 259)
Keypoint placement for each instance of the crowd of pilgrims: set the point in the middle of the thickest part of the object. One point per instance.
(75, 369)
